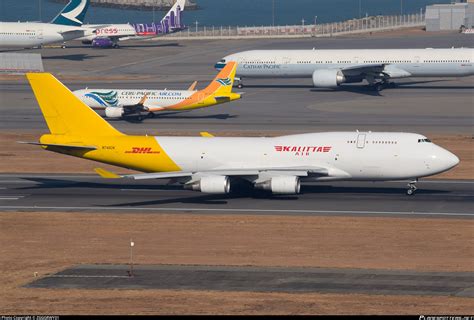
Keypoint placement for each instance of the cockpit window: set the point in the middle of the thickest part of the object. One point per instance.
(423, 140)
(223, 61)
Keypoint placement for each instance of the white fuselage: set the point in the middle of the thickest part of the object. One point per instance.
(111, 31)
(33, 34)
(345, 155)
(399, 63)
(104, 98)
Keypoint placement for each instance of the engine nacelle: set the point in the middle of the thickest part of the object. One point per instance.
(328, 78)
(211, 184)
(281, 185)
(114, 112)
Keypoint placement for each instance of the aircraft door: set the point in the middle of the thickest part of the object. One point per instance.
(285, 65)
(361, 140)
(201, 98)
(39, 34)
(416, 61)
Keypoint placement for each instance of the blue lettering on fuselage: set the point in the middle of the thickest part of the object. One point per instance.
(170, 94)
(261, 66)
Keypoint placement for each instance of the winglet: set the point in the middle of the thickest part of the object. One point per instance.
(106, 174)
(192, 87)
(206, 134)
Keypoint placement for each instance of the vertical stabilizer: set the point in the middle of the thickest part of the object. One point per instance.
(223, 82)
(73, 13)
(172, 20)
(64, 113)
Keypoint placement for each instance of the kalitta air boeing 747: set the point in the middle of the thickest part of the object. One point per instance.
(212, 165)
(126, 102)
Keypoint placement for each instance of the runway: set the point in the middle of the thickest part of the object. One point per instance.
(259, 279)
(428, 105)
(435, 198)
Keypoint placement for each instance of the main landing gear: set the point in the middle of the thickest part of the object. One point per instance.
(411, 187)
(379, 86)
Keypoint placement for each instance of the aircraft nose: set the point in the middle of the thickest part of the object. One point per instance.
(451, 159)
(448, 159)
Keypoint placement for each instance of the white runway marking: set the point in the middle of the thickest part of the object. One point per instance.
(83, 276)
(409, 213)
(154, 190)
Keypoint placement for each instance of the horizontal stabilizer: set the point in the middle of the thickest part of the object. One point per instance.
(71, 146)
(222, 98)
(106, 174)
(206, 134)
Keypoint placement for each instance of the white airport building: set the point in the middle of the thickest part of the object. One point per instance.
(450, 16)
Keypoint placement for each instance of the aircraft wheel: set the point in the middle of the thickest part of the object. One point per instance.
(410, 192)
(240, 86)
(151, 115)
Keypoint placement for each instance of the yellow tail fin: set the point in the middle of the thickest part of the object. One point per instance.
(64, 113)
(224, 81)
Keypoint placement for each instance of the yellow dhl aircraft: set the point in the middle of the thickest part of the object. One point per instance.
(119, 103)
(210, 164)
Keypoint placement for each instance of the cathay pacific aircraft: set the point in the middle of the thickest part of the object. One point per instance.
(67, 25)
(331, 68)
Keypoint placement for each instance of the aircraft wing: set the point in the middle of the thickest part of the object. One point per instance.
(292, 171)
(387, 70)
(364, 69)
(68, 146)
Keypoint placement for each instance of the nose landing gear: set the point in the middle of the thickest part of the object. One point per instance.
(411, 187)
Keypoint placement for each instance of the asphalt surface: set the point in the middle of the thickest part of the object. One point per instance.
(435, 198)
(279, 105)
(258, 279)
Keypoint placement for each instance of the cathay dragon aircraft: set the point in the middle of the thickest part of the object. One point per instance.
(119, 103)
(331, 68)
(212, 165)
(67, 25)
(110, 35)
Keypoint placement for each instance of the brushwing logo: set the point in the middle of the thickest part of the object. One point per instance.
(106, 99)
(225, 82)
(75, 15)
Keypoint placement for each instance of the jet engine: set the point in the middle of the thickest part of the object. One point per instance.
(281, 185)
(114, 112)
(328, 78)
(211, 184)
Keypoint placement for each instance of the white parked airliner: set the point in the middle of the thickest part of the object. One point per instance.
(110, 35)
(65, 26)
(330, 68)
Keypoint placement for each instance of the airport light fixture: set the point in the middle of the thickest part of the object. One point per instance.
(132, 244)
